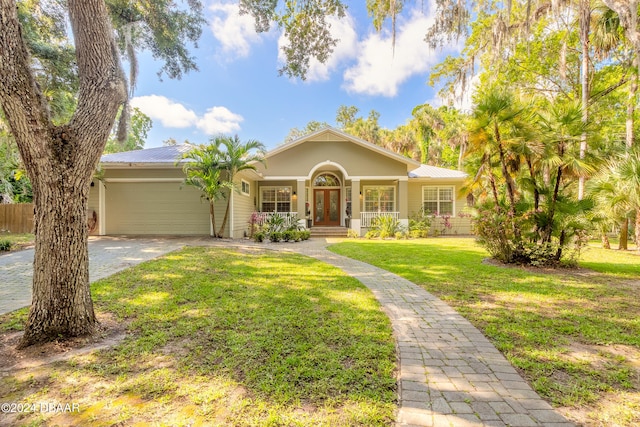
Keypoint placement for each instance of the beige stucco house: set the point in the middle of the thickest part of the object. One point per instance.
(327, 178)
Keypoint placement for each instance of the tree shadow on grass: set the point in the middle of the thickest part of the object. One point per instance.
(228, 338)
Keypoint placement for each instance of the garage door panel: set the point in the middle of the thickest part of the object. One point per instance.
(155, 208)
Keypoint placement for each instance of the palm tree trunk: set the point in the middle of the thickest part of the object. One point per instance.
(624, 233)
(212, 215)
(226, 217)
(548, 232)
(605, 241)
(585, 22)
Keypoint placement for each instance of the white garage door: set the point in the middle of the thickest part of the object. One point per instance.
(155, 208)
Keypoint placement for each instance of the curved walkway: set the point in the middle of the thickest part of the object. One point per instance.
(449, 373)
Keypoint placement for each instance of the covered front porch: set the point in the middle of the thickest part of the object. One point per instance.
(330, 198)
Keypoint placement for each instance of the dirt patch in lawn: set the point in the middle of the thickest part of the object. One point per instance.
(108, 333)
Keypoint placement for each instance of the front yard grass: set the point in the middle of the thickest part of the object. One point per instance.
(573, 334)
(17, 241)
(220, 337)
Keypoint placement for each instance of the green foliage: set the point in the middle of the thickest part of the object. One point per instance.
(5, 245)
(281, 227)
(524, 178)
(420, 224)
(138, 128)
(312, 126)
(235, 156)
(275, 236)
(384, 226)
(162, 27)
(203, 171)
(15, 186)
(45, 33)
(352, 234)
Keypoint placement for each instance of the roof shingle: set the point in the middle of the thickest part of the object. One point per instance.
(167, 154)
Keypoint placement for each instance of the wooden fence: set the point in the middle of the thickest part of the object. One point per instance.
(16, 218)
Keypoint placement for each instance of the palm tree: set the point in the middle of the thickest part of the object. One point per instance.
(203, 171)
(629, 169)
(562, 127)
(235, 157)
(496, 117)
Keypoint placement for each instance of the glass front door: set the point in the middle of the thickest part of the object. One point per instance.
(327, 207)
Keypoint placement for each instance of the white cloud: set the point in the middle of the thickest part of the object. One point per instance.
(219, 120)
(342, 29)
(236, 33)
(172, 114)
(380, 70)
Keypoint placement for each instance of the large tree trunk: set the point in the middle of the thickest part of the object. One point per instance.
(60, 161)
(62, 303)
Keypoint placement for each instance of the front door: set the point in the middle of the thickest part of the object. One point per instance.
(327, 207)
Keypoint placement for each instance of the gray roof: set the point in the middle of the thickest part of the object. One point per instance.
(167, 154)
(172, 154)
(427, 171)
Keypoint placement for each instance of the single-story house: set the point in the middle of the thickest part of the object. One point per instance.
(327, 178)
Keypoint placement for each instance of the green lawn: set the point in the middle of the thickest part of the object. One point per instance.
(574, 334)
(17, 241)
(219, 337)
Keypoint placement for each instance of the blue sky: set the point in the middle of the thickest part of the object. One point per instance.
(238, 89)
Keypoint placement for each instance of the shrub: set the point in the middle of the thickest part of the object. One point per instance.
(385, 226)
(259, 236)
(504, 239)
(352, 234)
(275, 236)
(5, 245)
(402, 235)
(420, 224)
(305, 234)
(290, 235)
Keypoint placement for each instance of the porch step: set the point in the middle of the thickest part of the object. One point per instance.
(321, 232)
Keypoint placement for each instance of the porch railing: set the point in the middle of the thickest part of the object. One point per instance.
(367, 217)
(290, 218)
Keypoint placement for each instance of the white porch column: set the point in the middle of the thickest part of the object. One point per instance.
(403, 201)
(355, 206)
(102, 209)
(300, 208)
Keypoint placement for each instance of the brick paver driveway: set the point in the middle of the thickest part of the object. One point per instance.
(107, 255)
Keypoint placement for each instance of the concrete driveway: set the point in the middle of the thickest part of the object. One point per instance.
(107, 255)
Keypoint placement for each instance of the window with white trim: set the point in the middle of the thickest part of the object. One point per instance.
(438, 200)
(245, 187)
(275, 199)
(380, 198)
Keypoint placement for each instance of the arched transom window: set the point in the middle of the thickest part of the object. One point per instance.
(326, 180)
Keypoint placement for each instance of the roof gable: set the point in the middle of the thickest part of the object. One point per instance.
(331, 134)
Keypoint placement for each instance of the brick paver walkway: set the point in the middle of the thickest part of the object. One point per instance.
(449, 373)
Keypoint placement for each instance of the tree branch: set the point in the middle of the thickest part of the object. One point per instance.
(102, 83)
(22, 101)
